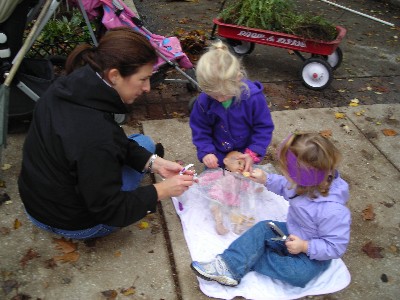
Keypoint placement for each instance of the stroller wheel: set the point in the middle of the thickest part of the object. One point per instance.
(192, 87)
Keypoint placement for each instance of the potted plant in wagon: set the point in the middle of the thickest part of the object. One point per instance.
(277, 23)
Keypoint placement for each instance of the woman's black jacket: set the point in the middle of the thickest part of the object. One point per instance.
(71, 174)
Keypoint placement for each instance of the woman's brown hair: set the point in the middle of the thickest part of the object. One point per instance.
(120, 48)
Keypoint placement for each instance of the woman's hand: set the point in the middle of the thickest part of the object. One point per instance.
(166, 168)
(259, 176)
(211, 161)
(173, 186)
(296, 245)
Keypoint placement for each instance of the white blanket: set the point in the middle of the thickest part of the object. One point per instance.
(204, 243)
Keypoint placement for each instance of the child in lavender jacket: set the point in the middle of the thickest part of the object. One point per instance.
(231, 113)
(318, 221)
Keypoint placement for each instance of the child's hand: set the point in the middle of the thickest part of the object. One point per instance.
(248, 162)
(296, 245)
(258, 175)
(211, 161)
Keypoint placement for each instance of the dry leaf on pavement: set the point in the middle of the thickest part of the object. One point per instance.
(368, 213)
(340, 115)
(110, 294)
(372, 251)
(17, 224)
(29, 255)
(143, 225)
(326, 133)
(129, 291)
(66, 246)
(67, 257)
(389, 132)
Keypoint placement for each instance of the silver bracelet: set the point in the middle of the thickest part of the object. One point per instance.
(151, 161)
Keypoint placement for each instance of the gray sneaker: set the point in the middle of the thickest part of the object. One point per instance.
(215, 270)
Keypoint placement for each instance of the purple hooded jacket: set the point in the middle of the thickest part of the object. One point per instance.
(246, 124)
(324, 221)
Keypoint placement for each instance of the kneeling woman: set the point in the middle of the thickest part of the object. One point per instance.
(80, 173)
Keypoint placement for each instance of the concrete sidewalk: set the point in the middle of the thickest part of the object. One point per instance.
(150, 259)
(371, 165)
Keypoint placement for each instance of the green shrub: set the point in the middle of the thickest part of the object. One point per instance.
(61, 35)
(279, 16)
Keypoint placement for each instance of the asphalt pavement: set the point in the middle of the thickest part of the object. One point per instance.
(150, 259)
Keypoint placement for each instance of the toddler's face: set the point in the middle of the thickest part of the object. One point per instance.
(235, 164)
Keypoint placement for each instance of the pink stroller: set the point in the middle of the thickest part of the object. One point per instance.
(169, 50)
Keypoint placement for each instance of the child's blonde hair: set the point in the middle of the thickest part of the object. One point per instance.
(310, 161)
(219, 72)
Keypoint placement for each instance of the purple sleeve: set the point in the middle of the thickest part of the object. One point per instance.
(333, 225)
(276, 184)
(262, 125)
(202, 131)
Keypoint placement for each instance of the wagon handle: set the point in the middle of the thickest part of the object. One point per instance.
(212, 37)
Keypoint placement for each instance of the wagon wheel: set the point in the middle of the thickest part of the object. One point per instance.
(334, 59)
(316, 73)
(241, 47)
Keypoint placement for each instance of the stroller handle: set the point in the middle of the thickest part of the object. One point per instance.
(139, 23)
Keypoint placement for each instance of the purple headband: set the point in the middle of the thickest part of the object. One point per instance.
(302, 175)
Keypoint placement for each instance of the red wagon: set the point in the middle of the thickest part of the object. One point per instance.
(317, 70)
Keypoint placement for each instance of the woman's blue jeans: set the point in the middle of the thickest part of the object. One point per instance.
(255, 251)
(130, 180)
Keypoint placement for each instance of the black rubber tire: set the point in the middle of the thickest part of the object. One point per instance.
(241, 48)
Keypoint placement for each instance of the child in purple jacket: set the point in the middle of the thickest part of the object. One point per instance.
(231, 113)
(317, 229)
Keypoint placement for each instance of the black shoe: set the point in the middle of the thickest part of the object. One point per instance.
(159, 150)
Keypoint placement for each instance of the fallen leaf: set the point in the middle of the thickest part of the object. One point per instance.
(341, 91)
(389, 132)
(29, 255)
(9, 285)
(360, 113)
(50, 263)
(110, 294)
(378, 123)
(4, 230)
(117, 253)
(67, 257)
(66, 246)
(378, 93)
(339, 115)
(143, 225)
(372, 251)
(393, 249)
(354, 102)
(326, 133)
(129, 291)
(368, 213)
(17, 224)
(346, 128)
(6, 167)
